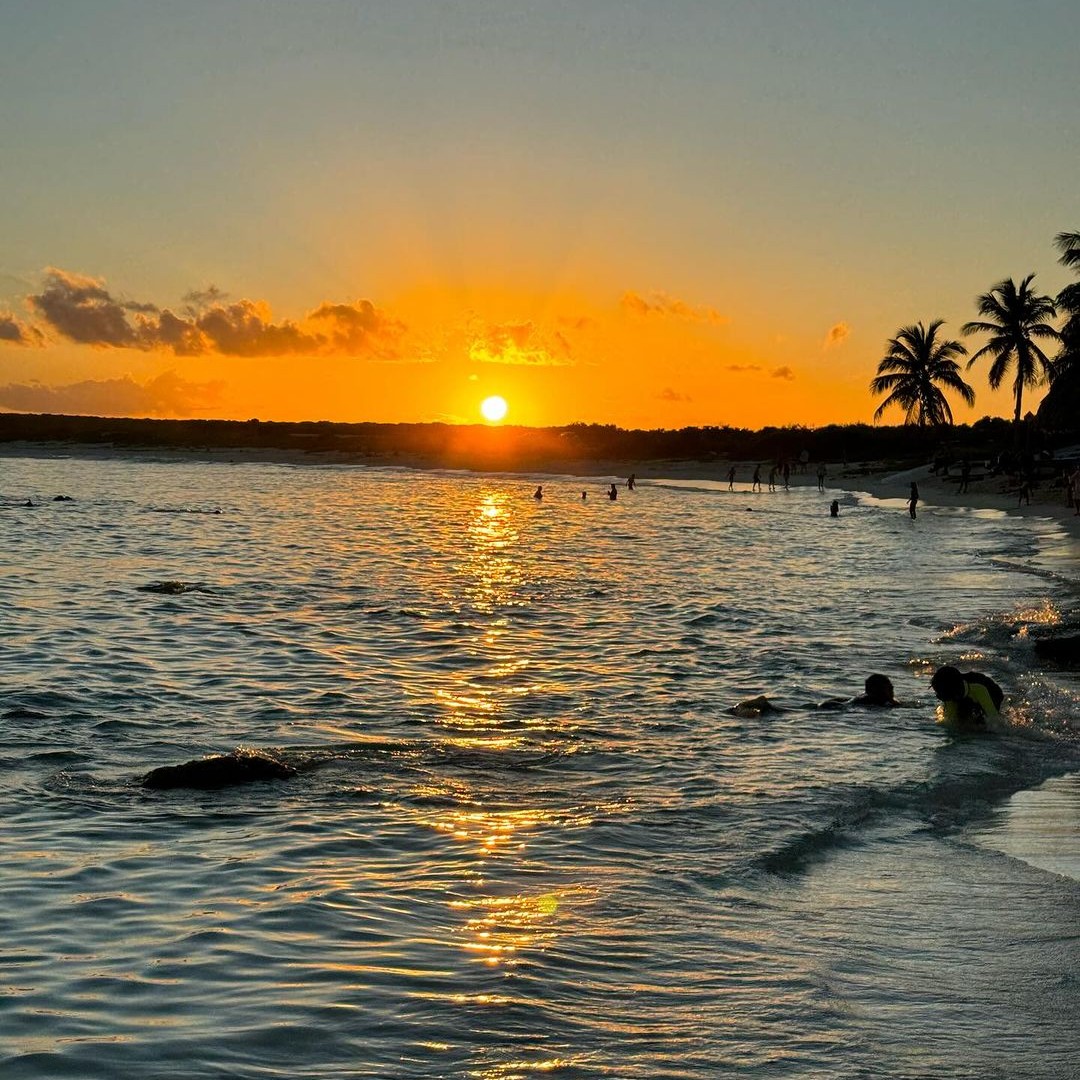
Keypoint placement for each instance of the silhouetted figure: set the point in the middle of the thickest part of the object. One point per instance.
(970, 699)
(772, 478)
(613, 493)
(965, 475)
(1023, 494)
(821, 478)
(756, 484)
(539, 492)
(834, 508)
(913, 499)
(786, 472)
(878, 692)
(584, 496)
(731, 478)
(630, 481)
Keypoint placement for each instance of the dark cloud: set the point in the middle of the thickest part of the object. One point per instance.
(743, 367)
(782, 373)
(15, 332)
(358, 327)
(166, 395)
(83, 310)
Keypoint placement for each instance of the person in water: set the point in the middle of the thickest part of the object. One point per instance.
(970, 699)
(877, 693)
(755, 484)
(539, 492)
(631, 480)
(613, 493)
(913, 499)
(731, 478)
(834, 508)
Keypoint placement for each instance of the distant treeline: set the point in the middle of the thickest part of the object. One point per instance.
(493, 447)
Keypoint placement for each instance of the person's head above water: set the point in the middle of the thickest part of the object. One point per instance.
(948, 684)
(879, 689)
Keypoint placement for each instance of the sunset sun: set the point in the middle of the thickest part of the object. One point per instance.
(493, 409)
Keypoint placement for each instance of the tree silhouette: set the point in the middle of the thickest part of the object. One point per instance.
(1015, 317)
(912, 370)
(1068, 302)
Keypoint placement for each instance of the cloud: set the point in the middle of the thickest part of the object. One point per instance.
(15, 332)
(166, 395)
(519, 343)
(663, 305)
(743, 367)
(667, 394)
(782, 373)
(836, 335)
(83, 310)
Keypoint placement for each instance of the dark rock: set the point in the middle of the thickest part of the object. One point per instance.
(1062, 650)
(219, 770)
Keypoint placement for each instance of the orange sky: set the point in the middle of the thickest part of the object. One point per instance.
(603, 213)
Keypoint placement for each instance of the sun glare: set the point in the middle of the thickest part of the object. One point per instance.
(493, 409)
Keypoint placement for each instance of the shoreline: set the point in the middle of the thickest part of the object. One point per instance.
(871, 478)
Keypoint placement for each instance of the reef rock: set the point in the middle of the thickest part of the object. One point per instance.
(219, 770)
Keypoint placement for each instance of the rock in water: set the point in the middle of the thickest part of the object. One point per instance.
(219, 770)
(1063, 650)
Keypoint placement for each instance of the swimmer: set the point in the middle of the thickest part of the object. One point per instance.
(878, 693)
(970, 701)
(613, 493)
(539, 492)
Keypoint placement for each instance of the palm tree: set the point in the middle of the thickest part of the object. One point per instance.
(1068, 302)
(1015, 317)
(909, 372)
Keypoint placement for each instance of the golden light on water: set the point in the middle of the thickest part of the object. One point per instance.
(494, 409)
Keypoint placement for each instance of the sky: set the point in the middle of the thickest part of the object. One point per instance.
(636, 213)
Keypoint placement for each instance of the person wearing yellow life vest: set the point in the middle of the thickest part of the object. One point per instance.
(970, 699)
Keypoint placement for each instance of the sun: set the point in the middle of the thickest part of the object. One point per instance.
(493, 409)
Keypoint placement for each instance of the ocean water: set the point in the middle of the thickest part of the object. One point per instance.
(527, 837)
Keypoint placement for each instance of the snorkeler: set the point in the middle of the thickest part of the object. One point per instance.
(970, 699)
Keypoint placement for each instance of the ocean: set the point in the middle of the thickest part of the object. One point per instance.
(528, 836)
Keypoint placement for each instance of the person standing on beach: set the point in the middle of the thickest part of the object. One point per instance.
(756, 485)
(731, 478)
(821, 478)
(965, 475)
(630, 481)
(786, 473)
(772, 478)
(913, 499)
